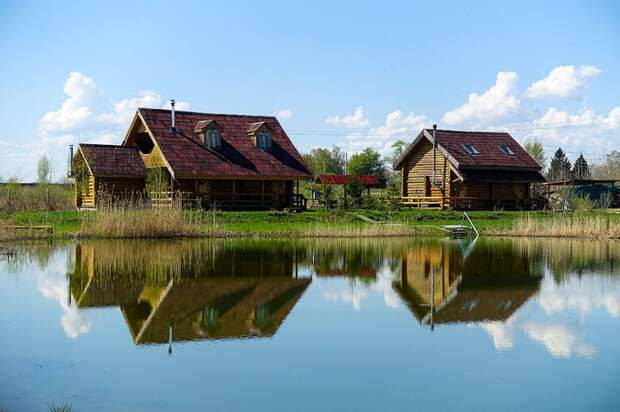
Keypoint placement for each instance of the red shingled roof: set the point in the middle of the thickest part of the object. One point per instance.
(343, 179)
(485, 175)
(109, 160)
(488, 146)
(237, 157)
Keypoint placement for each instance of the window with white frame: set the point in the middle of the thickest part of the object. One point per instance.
(471, 150)
(506, 150)
(263, 140)
(213, 137)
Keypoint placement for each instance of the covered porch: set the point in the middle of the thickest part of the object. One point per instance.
(241, 194)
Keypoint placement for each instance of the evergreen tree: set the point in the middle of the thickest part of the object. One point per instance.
(355, 191)
(581, 170)
(559, 167)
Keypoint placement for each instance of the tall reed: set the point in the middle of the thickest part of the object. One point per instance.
(593, 225)
(134, 218)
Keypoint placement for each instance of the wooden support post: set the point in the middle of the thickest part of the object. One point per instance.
(234, 193)
(262, 192)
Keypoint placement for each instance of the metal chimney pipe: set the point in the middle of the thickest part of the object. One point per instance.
(70, 160)
(434, 152)
(174, 127)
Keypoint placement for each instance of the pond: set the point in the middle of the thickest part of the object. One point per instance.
(185, 325)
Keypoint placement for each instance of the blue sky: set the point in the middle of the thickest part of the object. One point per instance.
(355, 74)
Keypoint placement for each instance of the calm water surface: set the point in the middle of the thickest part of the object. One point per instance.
(311, 325)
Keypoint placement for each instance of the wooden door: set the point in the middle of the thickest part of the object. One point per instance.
(427, 186)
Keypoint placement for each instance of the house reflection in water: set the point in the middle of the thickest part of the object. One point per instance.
(467, 281)
(348, 258)
(217, 293)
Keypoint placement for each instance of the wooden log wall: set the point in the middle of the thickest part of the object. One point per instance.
(418, 169)
(153, 159)
(119, 188)
(87, 193)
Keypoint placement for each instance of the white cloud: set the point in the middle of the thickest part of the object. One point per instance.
(357, 291)
(581, 295)
(398, 125)
(383, 285)
(284, 114)
(87, 115)
(501, 332)
(560, 340)
(53, 285)
(497, 103)
(562, 82)
(583, 131)
(352, 121)
(355, 296)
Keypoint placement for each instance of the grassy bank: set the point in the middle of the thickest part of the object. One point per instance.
(114, 223)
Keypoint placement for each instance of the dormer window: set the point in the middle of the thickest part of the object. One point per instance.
(506, 150)
(209, 132)
(260, 133)
(263, 140)
(213, 137)
(470, 149)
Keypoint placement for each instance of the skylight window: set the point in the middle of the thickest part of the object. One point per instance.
(507, 151)
(471, 150)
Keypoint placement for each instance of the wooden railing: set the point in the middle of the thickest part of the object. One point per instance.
(432, 202)
(299, 201)
(459, 202)
(168, 199)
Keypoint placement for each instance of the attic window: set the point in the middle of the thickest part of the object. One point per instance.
(507, 151)
(213, 137)
(471, 150)
(263, 140)
(209, 132)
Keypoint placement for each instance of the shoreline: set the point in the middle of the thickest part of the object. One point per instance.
(71, 225)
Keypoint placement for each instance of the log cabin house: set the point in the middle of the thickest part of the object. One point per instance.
(448, 283)
(223, 298)
(222, 160)
(449, 169)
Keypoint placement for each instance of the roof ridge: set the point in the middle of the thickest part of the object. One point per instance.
(106, 145)
(209, 114)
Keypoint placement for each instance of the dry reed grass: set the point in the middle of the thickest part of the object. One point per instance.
(359, 231)
(593, 225)
(133, 218)
(16, 196)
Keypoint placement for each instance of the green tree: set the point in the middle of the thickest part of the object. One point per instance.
(535, 149)
(398, 147)
(559, 167)
(355, 191)
(581, 170)
(321, 160)
(367, 162)
(44, 170)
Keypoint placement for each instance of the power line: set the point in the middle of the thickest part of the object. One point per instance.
(370, 132)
